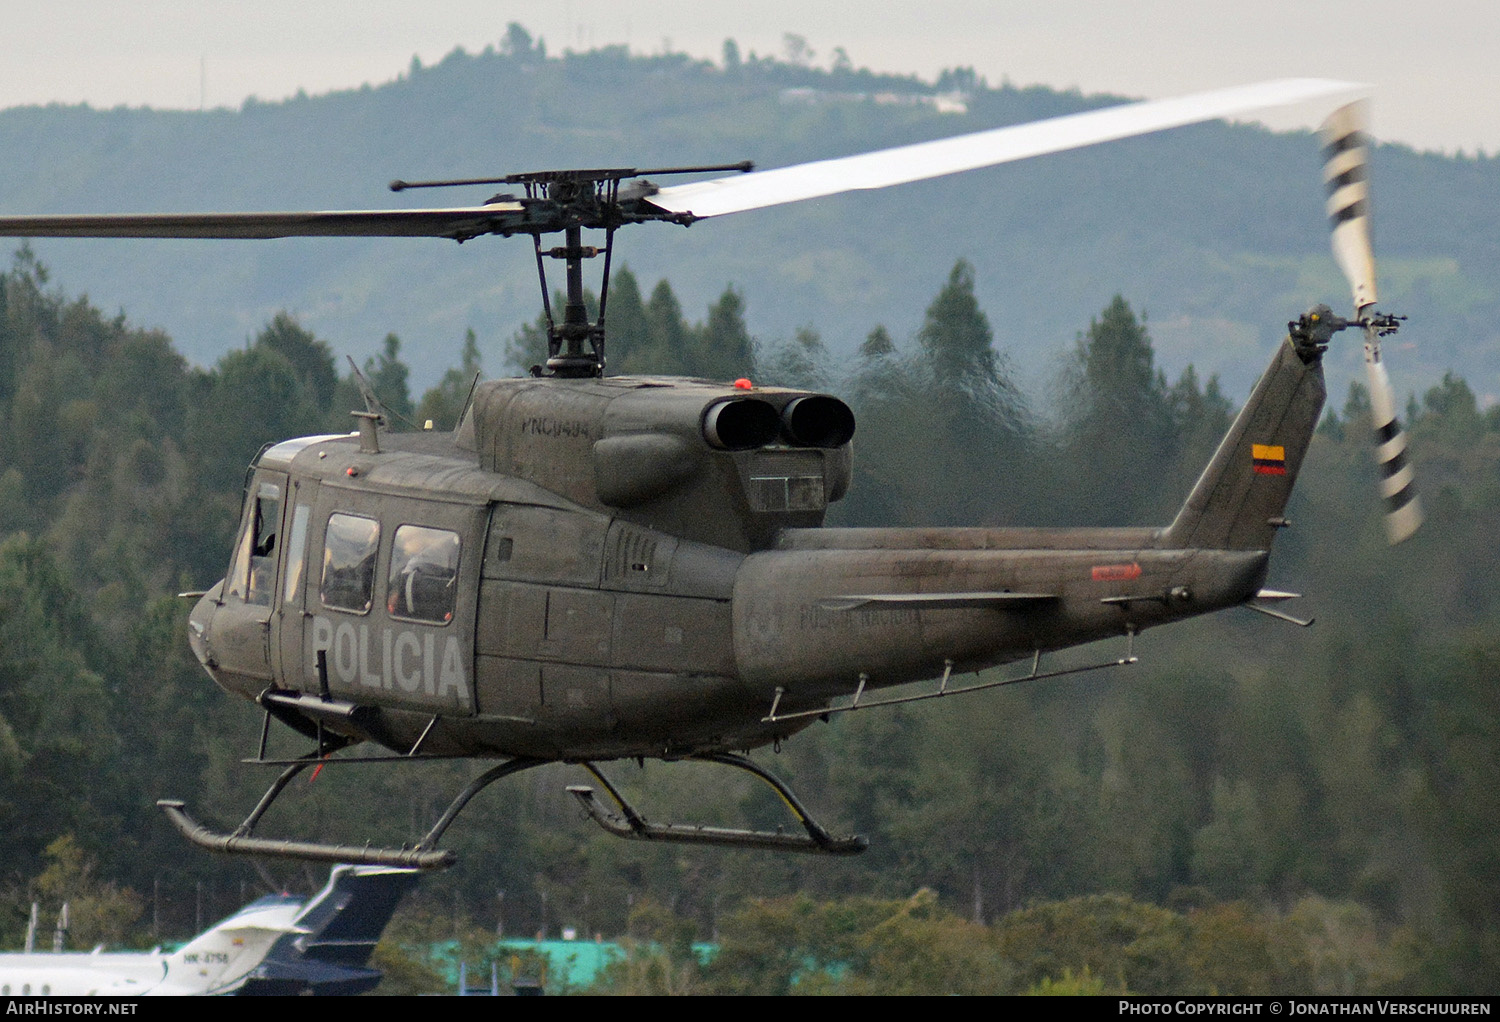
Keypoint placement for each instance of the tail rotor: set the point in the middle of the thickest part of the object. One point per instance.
(1346, 173)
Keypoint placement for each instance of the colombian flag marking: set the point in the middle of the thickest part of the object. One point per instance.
(1268, 459)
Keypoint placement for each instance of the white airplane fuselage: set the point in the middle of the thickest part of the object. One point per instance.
(217, 962)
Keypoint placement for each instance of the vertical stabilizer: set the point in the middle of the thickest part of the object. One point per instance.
(1239, 500)
(336, 932)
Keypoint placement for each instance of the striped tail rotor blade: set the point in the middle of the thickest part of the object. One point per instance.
(1346, 173)
(1403, 508)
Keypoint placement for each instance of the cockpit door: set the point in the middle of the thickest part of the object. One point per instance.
(241, 630)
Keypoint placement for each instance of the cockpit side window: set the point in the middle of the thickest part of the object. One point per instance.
(296, 554)
(252, 571)
(264, 532)
(423, 582)
(349, 549)
(237, 580)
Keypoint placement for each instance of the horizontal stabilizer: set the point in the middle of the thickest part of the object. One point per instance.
(938, 601)
(1275, 597)
(252, 924)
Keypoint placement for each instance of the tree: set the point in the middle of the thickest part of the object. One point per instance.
(798, 53)
(802, 362)
(388, 375)
(855, 946)
(877, 344)
(949, 439)
(659, 957)
(443, 403)
(516, 42)
(55, 731)
(960, 79)
(310, 357)
(666, 330)
(1114, 373)
(627, 332)
(252, 397)
(99, 912)
(1458, 807)
(725, 350)
(1131, 947)
(1200, 418)
(1118, 425)
(1450, 410)
(956, 334)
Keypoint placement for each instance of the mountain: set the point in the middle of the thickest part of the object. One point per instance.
(1216, 231)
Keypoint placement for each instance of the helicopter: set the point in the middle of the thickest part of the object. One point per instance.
(594, 568)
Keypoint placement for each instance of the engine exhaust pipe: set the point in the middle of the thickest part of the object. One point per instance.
(817, 421)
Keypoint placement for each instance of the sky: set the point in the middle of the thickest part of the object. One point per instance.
(1430, 63)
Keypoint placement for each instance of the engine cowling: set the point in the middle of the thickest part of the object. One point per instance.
(705, 461)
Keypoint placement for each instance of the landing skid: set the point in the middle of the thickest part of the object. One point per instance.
(632, 825)
(423, 855)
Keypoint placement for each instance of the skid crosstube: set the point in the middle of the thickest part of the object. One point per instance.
(632, 825)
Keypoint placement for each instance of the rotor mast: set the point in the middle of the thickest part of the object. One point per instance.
(569, 201)
(575, 347)
(576, 328)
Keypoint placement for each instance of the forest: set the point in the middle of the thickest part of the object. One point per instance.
(1252, 807)
(1220, 226)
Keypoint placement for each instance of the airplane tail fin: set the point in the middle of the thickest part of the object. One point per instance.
(1239, 500)
(336, 932)
(345, 921)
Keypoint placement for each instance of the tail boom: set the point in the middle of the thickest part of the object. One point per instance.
(828, 608)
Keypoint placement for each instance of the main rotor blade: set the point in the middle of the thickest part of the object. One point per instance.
(721, 195)
(985, 148)
(458, 223)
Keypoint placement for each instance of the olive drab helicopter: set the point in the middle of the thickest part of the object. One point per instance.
(594, 568)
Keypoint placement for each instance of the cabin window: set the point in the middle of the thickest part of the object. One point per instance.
(423, 583)
(296, 553)
(349, 549)
(252, 572)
